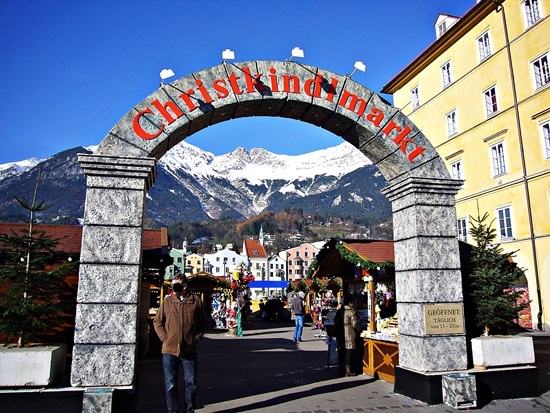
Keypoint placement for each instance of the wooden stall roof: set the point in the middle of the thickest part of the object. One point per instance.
(331, 264)
(205, 281)
(70, 236)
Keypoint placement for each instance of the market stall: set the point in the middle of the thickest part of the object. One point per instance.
(215, 292)
(380, 338)
(366, 270)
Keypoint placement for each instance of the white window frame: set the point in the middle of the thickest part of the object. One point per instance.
(545, 134)
(457, 170)
(532, 12)
(498, 158)
(415, 93)
(504, 220)
(446, 74)
(541, 71)
(484, 46)
(441, 28)
(490, 100)
(451, 119)
(462, 229)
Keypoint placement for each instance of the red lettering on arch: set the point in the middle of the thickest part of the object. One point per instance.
(140, 131)
(347, 96)
(164, 112)
(375, 117)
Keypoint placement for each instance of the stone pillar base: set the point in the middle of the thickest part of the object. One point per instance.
(498, 383)
(109, 400)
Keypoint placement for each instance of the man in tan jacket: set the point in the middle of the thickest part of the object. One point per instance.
(180, 324)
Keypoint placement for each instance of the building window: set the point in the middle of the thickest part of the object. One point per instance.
(179, 259)
(545, 127)
(305, 254)
(541, 71)
(297, 253)
(504, 222)
(490, 96)
(532, 12)
(484, 46)
(289, 262)
(456, 170)
(462, 228)
(497, 156)
(452, 124)
(446, 74)
(415, 98)
(442, 28)
(289, 272)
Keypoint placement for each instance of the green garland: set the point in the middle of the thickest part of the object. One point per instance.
(312, 267)
(356, 260)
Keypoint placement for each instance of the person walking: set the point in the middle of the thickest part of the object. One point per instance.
(180, 324)
(351, 325)
(298, 309)
(340, 338)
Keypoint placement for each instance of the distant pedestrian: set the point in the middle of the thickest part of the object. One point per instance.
(351, 325)
(246, 309)
(180, 324)
(298, 309)
(279, 309)
(271, 309)
(340, 339)
(263, 312)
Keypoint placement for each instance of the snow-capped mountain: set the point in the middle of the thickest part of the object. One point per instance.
(16, 168)
(195, 185)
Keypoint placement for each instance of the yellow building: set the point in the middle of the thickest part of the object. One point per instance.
(481, 93)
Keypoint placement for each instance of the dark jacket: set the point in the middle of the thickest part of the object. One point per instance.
(297, 306)
(180, 325)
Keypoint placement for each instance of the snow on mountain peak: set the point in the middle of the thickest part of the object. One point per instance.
(260, 164)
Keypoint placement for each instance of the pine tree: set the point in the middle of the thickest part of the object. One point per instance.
(494, 274)
(35, 297)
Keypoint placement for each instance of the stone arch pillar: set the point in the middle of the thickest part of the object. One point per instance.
(105, 349)
(427, 268)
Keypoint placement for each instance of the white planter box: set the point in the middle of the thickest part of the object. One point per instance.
(494, 351)
(32, 366)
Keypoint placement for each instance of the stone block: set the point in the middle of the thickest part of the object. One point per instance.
(494, 351)
(103, 365)
(31, 366)
(459, 390)
(98, 400)
(108, 283)
(433, 353)
(421, 285)
(106, 323)
(119, 207)
(427, 252)
(114, 245)
(419, 221)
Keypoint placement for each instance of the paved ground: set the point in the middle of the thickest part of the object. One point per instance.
(265, 371)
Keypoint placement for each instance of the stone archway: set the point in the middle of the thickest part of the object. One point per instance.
(123, 168)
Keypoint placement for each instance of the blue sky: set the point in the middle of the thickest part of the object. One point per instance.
(70, 70)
